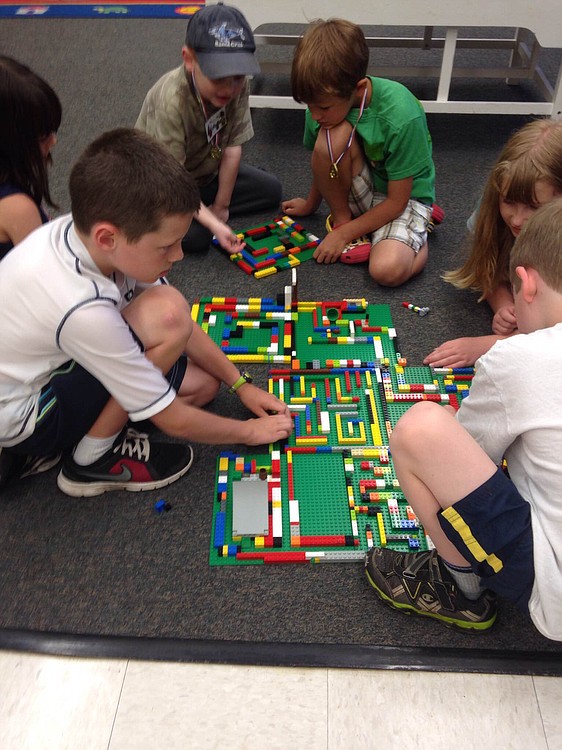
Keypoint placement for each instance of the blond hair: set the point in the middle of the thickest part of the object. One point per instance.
(532, 153)
(330, 59)
(539, 246)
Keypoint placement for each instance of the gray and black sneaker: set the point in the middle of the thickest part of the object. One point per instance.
(135, 463)
(419, 582)
(14, 466)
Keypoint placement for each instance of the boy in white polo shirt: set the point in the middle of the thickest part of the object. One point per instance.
(93, 336)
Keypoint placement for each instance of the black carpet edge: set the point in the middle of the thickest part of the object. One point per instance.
(281, 654)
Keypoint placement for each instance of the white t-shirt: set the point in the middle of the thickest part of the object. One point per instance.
(515, 408)
(56, 306)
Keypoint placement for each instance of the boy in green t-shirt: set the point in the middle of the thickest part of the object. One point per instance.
(371, 156)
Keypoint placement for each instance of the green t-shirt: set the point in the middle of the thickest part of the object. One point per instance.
(395, 138)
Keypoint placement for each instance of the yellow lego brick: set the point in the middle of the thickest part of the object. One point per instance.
(370, 453)
(382, 532)
(353, 439)
(259, 541)
(246, 323)
(223, 464)
(269, 271)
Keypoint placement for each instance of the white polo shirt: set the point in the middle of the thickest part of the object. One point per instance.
(57, 306)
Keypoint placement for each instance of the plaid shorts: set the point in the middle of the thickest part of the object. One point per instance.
(409, 228)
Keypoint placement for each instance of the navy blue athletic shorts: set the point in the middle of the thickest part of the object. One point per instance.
(69, 405)
(491, 528)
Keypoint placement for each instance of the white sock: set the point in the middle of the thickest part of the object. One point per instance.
(89, 449)
(467, 581)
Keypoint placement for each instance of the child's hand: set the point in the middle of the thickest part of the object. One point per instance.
(504, 321)
(228, 240)
(296, 207)
(274, 420)
(270, 429)
(330, 249)
(261, 402)
(461, 352)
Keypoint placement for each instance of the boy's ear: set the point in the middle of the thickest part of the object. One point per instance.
(362, 91)
(105, 236)
(529, 282)
(189, 58)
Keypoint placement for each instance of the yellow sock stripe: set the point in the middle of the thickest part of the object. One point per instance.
(476, 549)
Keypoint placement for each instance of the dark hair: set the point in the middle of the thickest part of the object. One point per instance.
(129, 179)
(330, 59)
(30, 111)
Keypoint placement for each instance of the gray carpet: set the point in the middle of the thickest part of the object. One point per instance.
(109, 576)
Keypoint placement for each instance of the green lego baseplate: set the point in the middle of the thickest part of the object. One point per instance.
(330, 491)
(280, 245)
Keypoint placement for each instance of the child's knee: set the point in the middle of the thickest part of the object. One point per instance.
(339, 137)
(415, 425)
(175, 312)
(164, 314)
(387, 270)
(393, 262)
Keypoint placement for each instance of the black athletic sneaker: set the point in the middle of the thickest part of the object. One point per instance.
(14, 466)
(135, 463)
(419, 582)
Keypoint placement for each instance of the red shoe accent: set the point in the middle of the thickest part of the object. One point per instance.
(357, 251)
(437, 216)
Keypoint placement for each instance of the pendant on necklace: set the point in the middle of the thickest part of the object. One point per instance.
(216, 152)
(334, 171)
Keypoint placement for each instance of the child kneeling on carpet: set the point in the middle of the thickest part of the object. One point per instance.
(371, 156)
(493, 533)
(93, 336)
(201, 113)
(526, 175)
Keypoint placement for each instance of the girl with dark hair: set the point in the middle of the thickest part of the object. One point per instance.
(31, 116)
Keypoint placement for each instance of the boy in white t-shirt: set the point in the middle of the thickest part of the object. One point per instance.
(494, 533)
(93, 336)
